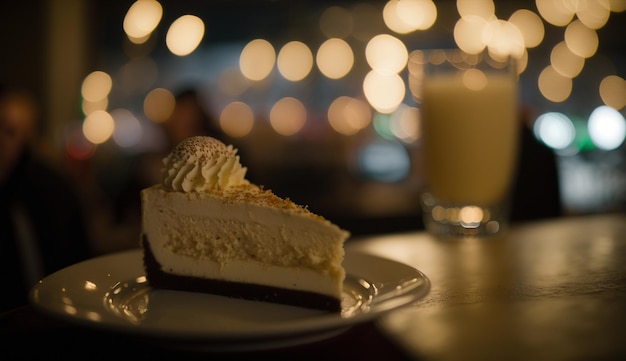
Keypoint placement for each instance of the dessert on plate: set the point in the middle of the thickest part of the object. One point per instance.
(206, 228)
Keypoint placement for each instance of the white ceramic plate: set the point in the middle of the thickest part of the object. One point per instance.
(111, 292)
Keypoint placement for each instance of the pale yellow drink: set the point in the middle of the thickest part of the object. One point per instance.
(470, 136)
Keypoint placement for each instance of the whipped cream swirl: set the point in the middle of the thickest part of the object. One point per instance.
(200, 164)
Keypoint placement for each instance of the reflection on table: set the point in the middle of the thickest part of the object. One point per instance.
(550, 290)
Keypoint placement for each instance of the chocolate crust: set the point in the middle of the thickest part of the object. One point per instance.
(157, 278)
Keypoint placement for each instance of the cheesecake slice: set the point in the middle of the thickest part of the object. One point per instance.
(205, 228)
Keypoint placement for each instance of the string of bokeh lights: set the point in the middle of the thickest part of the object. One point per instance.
(477, 29)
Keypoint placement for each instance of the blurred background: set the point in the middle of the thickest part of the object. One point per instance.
(315, 94)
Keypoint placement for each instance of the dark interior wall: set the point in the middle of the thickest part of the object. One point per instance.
(22, 56)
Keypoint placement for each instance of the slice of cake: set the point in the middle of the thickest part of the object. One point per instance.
(208, 229)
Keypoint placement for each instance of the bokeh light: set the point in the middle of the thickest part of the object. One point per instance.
(347, 115)
(474, 79)
(471, 216)
(386, 54)
(522, 62)
(555, 130)
(384, 91)
(127, 131)
(288, 116)
(593, 13)
(391, 17)
(503, 39)
(468, 34)
(607, 128)
(405, 123)
(89, 107)
(405, 16)
(581, 40)
(141, 19)
(554, 86)
(96, 86)
(482, 8)
(257, 59)
(557, 13)
(184, 35)
(236, 119)
(294, 61)
(565, 62)
(613, 91)
(159, 105)
(530, 25)
(98, 127)
(384, 160)
(382, 125)
(335, 58)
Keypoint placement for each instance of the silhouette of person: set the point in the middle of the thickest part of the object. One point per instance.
(536, 193)
(42, 229)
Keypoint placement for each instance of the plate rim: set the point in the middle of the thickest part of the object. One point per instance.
(325, 323)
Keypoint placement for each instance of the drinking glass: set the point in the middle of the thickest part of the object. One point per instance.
(470, 139)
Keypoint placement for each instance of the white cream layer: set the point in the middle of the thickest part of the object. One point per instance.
(197, 234)
(250, 272)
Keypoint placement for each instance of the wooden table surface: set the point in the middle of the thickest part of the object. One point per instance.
(549, 290)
